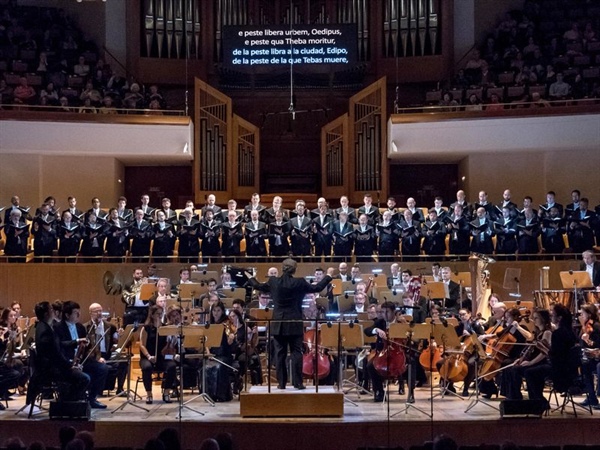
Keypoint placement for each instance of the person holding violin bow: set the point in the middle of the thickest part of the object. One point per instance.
(78, 345)
(151, 359)
(589, 340)
(11, 341)
(224, 353)
(243, 334)
(533, 356)
(500, 346)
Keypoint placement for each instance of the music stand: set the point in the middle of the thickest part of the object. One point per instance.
(323, 302)
(147, 290)
(437, 290)
(345, 304)
(410, 332)
(479, 355)
(202, 276)
(125, 340)
(336, 287)
(189, 291)
(512, 279)
(575, 280)
(343, 336)
(463, 279)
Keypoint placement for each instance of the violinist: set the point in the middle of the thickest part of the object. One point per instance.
(224, 353)
(242, 354)
(589, 340)
(51, 362)
(75, 345)
(252, 335)
(171, 352)
(11, 341)
(151, 358)
(161, 296)
(500, 340)
(531, 357)
(106, 336)
(560, 366)
(379, 329)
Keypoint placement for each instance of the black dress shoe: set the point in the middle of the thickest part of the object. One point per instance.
(300, 387)
(411, 399)
(465, 393)
(2, 407)
(401, 390)
(95, 404)
(281, 386)
(378, 397)
(451, 388)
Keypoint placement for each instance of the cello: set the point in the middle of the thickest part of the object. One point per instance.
(390, 361)
(311, 355)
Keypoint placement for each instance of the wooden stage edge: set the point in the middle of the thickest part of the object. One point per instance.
(366, 424)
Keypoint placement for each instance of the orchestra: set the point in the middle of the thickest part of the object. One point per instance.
(514, 350)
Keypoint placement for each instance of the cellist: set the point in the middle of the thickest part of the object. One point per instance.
(500, 343)
(379, 328)
(589, 340)
(465, 328)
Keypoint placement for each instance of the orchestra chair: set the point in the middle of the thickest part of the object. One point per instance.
(39, 387)
(575, 387)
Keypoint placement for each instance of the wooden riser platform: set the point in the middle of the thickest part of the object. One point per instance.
(258, 402)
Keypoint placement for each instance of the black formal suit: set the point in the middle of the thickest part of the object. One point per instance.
(141, 235)
(417, 215)
(343, 238)
(570, 209)
(117, 241)
(388, 239)
(580, 229)
(595, 272)
(490, 210)
(44, 233)
(482, 236)
(459, 236)
(164, 242)
(117, 368)
(434, 241)
(410, 233)
(300, 235)
(92, 367)
(224, 216)
(279, 244)
(16, 240)
(255, 235)
(510, 205)
(189, 243)
(93, 239)
(322, 236)
(269, 215)
(553, 231)
(365, 242)
(69, 238)
(451, 302)
(51, 364)
(506, 236)
(467, 209)
(209, 233)
(287, 293)
(77, 214)
(231, 236)
(442, 214)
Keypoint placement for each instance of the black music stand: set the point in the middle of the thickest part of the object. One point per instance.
(479, 355)
(126, 343)
(409, 332)
(512, 282)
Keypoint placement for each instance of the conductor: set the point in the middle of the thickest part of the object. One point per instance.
(287, 293)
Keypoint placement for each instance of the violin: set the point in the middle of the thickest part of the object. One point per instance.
(311, 356)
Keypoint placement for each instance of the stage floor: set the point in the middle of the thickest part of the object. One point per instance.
(364, 423)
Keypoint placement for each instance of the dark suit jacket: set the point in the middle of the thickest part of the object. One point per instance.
(287, 293)
(67, 344)
(595, 272)
(48, 352)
